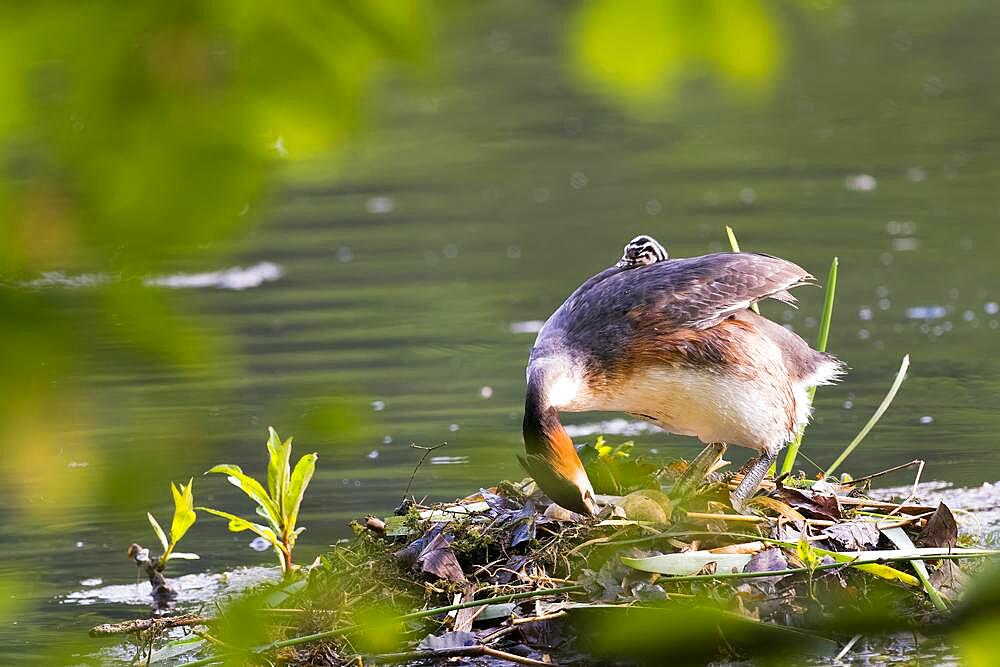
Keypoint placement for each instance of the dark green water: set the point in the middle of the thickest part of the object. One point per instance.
(480, 201)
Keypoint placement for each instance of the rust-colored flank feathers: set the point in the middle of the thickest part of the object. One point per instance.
(672, 341)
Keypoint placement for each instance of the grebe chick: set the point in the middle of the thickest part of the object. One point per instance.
(674, 343)
(642, 251)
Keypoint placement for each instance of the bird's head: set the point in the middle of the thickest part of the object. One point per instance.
(642, 251)
(569, 489)
(551, 459)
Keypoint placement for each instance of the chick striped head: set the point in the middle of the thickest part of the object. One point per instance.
(642, 251)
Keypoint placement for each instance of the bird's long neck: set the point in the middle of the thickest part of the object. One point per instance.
(545, 437)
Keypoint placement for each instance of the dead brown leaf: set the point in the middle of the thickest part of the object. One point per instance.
(941, 529)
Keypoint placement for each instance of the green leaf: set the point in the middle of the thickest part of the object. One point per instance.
(902, 541)
(184, 515)
(239, 524)
(252, 488)
(398, 526)
(807, 554)
(159, 532)
(644, 50)
(303, 472)
(278, 467)
(888, 573)
(177, 648)
(687, 562)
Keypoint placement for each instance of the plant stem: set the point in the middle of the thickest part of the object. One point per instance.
(824, 336)
(286, 558)
(735, 245)
(900, 375)
(827, 566)
(424, 613)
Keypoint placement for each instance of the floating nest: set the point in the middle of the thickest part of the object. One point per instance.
(667, 568)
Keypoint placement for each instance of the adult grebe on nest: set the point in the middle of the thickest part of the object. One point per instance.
(674, 342)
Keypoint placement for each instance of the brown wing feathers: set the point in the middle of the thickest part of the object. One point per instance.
(717, 286)
(687, 315)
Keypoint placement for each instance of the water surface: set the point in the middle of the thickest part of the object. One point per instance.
(408, 274)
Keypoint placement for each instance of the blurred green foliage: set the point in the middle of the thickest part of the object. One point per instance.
(613, 470)
(136, 132)
(135, 136)
(643, 50)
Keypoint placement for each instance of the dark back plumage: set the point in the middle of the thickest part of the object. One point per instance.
(695, 293)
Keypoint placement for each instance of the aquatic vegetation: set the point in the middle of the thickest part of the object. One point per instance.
(184, 518)
(504, 568)
(279, 503)
(824, 335)
(613, 469)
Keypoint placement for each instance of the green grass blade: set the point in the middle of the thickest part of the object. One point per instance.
(735, 245)
(831, 292)
(160, 535)
(900, 375)
(824, 336)
(902, 541)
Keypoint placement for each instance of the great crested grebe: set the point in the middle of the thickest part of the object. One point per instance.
(674, 342)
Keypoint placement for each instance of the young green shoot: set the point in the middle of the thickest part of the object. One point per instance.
(184, 518)
(824, 336)
(279, 503)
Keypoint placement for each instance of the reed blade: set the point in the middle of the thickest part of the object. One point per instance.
(821, 341)
(883, 406)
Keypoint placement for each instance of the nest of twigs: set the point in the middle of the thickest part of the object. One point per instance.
(505, 575)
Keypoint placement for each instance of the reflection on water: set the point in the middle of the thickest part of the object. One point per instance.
(399, 285)
(234, 278)
(194, 589)
(608, 427)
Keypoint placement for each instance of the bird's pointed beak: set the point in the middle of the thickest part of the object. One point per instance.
(561, 476)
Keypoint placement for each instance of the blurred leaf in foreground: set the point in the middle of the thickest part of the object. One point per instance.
(134, 137)
(644, 50)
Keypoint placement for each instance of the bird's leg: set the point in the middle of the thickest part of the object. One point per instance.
(753, 475)
(697, 470)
